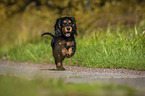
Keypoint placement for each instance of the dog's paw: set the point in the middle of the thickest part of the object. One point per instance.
(60, 68)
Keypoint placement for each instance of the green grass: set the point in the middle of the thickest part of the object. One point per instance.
(75, 76)
(120, 48)
(13, 86)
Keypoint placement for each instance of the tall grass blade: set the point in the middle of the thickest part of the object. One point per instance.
(135, 30)
(32, 55)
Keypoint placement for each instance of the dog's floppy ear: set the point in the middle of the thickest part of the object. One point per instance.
(74, 27)
(57, 27)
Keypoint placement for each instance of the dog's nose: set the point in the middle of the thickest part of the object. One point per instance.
(68, 29)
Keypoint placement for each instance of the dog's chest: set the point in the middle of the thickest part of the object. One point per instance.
(67, 43)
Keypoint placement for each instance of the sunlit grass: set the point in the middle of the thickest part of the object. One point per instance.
(112, 49)
(120, 48)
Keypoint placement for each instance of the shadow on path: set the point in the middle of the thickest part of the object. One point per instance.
(51, 70)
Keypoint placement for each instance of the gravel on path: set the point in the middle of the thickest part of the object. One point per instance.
(75, 74)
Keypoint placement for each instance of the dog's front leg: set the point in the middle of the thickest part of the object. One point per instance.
(64, 52)
(71, 52)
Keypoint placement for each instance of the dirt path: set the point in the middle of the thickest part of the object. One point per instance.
(75, 74)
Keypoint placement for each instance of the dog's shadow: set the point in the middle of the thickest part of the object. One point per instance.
(51, 70)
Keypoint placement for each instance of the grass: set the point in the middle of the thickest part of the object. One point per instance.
(75, 76)
(13, 86)
(120, 48)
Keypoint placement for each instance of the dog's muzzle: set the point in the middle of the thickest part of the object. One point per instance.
(68, 31)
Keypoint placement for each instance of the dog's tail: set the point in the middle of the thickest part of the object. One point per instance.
(47, 34)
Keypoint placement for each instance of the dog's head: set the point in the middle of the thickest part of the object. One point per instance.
(65, 26)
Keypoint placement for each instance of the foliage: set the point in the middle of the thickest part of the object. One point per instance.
(12, 86)
(120, 48)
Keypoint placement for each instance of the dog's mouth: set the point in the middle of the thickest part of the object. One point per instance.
(67, 34)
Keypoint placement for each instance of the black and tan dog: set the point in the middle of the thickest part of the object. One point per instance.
(63, 42)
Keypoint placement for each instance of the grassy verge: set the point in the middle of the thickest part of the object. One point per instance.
(12, 86)
(120, 48)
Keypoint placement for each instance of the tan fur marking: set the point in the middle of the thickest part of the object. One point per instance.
(58, 64)
(64, 21)
(65, 29)
(70, 43)
(64, 51)
(70, 50)
(68, 27)
(69, 21)
(60, 43)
